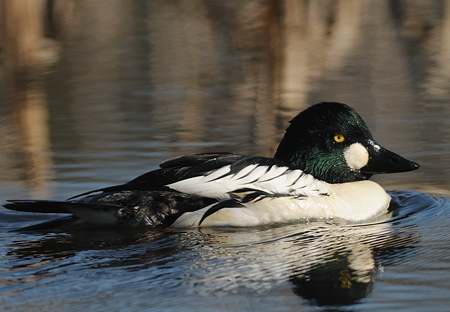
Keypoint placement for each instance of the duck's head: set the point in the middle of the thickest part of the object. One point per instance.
(333, 143)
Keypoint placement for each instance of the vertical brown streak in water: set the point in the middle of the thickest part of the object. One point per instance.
(391, 88)
(258, 30)
(32, 122)
(436, 84)
(25, 49)
(416, 16)
(62, 18)
(275, 57)
(183, 62)
(382, 77)
(22, 35)
(202, 64)
(95, 94)
(345, 33)
(332, 45)
(438, 79)
(317, 39)
(195, 24)
(294, 59)
(10, 155)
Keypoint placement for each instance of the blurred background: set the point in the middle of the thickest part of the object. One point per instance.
(96, 92)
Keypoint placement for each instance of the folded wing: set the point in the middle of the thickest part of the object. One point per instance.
(219, 175)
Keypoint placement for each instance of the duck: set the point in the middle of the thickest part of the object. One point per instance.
(321, 170)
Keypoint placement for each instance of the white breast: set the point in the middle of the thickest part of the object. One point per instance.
(358, 201)
(355, 201)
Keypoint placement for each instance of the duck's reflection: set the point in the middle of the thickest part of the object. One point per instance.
(345, 279)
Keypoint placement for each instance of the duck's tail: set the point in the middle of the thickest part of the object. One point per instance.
(105, 214)
(39, 206)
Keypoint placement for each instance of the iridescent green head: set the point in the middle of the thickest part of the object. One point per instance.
(333, 143)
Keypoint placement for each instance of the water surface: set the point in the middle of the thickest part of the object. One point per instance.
(130, 84)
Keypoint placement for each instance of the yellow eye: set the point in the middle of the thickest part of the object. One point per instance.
(339, 138)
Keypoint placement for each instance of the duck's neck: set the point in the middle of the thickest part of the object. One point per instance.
(328, 167)
(286, 152)
(301, 155)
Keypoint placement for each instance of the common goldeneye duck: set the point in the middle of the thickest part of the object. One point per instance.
(320, 170)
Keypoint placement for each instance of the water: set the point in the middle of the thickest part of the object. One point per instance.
(126, 87)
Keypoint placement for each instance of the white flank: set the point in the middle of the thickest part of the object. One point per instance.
(354, 201)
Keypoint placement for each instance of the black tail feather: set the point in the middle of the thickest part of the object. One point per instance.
(105, 189)
(51, 206)
(39, 206)
(95, 213)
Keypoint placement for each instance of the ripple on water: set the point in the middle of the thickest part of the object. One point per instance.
(322, 262)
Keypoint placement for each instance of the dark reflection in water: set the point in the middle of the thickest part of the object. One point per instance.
(93, 93)
(334, 283)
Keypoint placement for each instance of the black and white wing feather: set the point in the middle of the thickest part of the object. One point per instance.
(271, 179)
(219, 175)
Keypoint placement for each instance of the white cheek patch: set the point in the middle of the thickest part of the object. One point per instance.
(356, 156)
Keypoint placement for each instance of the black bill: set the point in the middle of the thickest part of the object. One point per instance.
(382, 160)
